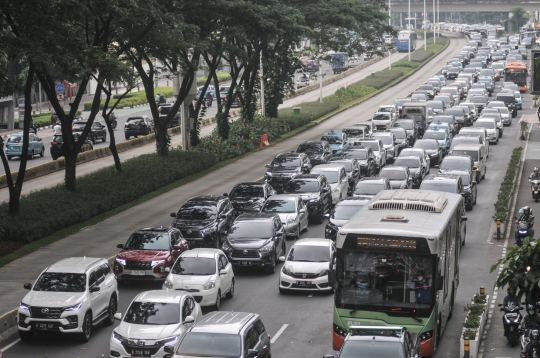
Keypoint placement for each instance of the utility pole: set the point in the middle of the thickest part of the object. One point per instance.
(320, 80)
(262, 85)
(39, 98)
(433, 21)
(389, 13)
(410, 31)
(425, 26)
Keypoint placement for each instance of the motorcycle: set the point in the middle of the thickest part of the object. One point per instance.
(535, 189)
(522, 232)
(528, 350)
(512, 319)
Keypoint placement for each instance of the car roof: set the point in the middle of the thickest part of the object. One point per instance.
(457, 171)
(223, 322)
(207, 198)
(328, 166)
(408, 157)
(469, 146)
(374, 179)
(74, 264)
(165, 296)
(395, 167)
(256, 217)
(290, 154)
(201, 252)
(442, 177)
(313, 142)
(457, 157)
(313, 242)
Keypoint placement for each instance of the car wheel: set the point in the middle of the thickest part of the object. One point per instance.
(104, 138)
(272, 268)
(284, 248)
(127, 137)
(9, 157)
(218, 301)
(230, 294)
(31, 156)
(42, 152)
(299, 230)
(84, 336)
(500, 134)
(111, 311)
(475, 196)
(54, 157)
(26, 335)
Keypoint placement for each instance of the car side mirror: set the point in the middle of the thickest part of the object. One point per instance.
(267, 165)
(120, 246)
(173, 215)
(437, 166)
(168, 349)
(222, 272)
(189, 319)
(225, 195)
(281, 259)
(167, 269)
(118, 316)
(252, 353)
(463, 218)
(95, 289)
(27, 286)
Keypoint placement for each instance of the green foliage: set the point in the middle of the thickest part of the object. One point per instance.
(309, 112)
(469, 334)
(475, 309)
(472, 321)
(478, 298)
(98, 192)
(134, 98)
(222, 77)
(421, 55)
(380, 79)
(405, 63)
(348, 94)
(505, 191)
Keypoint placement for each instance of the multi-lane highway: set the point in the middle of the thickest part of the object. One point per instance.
(304, 320)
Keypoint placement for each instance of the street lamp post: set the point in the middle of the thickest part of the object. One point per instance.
(433, 21)
(410, 31)
(425, 27)
(320, 80)
(389, 13)
(438, 19)
(262, 86)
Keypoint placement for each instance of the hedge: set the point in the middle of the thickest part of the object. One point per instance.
(380, 79)
(421, 55)
(222, 77)
(44, 212)
(133, 98)
(505, 191)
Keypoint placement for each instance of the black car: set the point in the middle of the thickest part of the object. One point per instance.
(318, 151)
(98, 131)
(204, 220)
(249, 197)
(452, 73)
(399, 177)
(286, 166)
(402, 139)
(410, 127)
(510, 102)
(341, 213)
(459, 114)
(58, 141)
(417, 171)
(255, 239)
(432, 148)
(164, 112)
(353, 168)
(136, 126)
(470, 191)
(364, 156)
(314, 191)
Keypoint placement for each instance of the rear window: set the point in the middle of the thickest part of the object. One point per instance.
(134, 119)
(15, 139)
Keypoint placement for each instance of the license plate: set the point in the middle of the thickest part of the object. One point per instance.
(16, 147)
(140, 353)
(191, 242)
(303, 283)
(244, 263)
(44, 326)
(137, 273)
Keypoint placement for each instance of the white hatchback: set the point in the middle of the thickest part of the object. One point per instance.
(337, 178)
(206, 273)
(154, 320)
(307, 265)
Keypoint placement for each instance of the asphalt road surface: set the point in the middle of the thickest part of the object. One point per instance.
(308, 317)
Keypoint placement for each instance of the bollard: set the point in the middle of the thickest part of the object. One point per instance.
(466, 348)
(498, 229)
(482, 290)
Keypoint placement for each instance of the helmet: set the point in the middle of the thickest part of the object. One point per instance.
(531, 310)
(536, 170)
(509, 290)
(527, 209)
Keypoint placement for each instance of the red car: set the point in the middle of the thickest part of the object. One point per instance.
(147, 254)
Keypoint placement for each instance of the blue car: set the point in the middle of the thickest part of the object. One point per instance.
(336, 140)
(14, 146)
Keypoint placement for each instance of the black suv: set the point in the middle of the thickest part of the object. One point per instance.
(98, 131)
(164, 112)
(353, 168)
(314, 191)
(256, 239)
(365, 158)
(510, 102)
(286, 166)
(58, 141)
(250, 196)
(204, 220)
(318, 151)
(136, 126)
(470, 190)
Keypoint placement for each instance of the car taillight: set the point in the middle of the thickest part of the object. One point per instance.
(53, 143)
(74, 129)
(142, 124)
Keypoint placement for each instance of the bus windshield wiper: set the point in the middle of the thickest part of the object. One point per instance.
(402, 314)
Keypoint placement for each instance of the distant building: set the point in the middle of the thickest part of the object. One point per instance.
(7, 112)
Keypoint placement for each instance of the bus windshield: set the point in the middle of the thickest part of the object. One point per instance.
(515, 75)
(393, 283)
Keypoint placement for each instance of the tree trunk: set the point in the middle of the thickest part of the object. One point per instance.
(70, 178)
(163, 141)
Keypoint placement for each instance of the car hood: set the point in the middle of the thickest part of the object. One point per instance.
(284, 170)
(142, 255)
(285, 216)
(240, 203)
(53, 299)
(308, 196)
(396, 184)
(148, 331)
(306, 267)
(430, 151)
(413, 171)
(338, 222)
(336, 146)
(188, 281)
(247, 243)
(191, 224)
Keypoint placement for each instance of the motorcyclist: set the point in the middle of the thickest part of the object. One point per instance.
(209, 99)
(510, 300)
(532, 318)
(114, 122)
(532, 344)
(525, 214)
(535, 175)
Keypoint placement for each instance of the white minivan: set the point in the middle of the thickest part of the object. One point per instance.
(478, 154)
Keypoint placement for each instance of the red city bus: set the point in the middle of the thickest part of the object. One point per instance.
(516, 71)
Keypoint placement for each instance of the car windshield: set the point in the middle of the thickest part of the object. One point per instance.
(286, 162)
(486, 124)
(153, 313)
(371, 349)
(404, 125)
(503, 110)
(371, 144)
(407, 162)
(354, 132)
(251, 229)
(452, 162)
(165, 109)
(393, 174)
(435, 104)
(426, 144)
(310, 149)
(358, 154)
(345, 212)
(400, 134)
(471, 153)
(247, 191)
(434, 135)
(386, 139)
(197, 344)
(197, 211)
(279, 206)
(506, 99)
(148, 241)
(365, 188)
(331, 139)
(299, 186)
(385, 109)
(478, 99)
(79, 126)
(61, 282)
(194, 266)
(456, 112)
(399, 102)
(331, 175)
(439, 186)
(381, 117)
(307, 253)
(498, 66)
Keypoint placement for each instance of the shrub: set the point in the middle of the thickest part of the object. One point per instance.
(140, 175)
(380, 79)
(475, 309)
(133, 98)
(421, 55)
(349, 94)
(472, 321)
(309, 112)
(222, 77)
(505, 191)
(405, 63)
(478, 298)
(469, 334)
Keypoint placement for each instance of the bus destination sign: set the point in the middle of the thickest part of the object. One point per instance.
(386, 242)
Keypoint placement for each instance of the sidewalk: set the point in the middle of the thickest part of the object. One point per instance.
(495, 344)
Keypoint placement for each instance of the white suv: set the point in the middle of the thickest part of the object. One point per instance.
(70, 296)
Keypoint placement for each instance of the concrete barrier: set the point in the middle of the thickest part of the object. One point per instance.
(8, 324)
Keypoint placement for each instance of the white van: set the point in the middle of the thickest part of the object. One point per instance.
(478, 154)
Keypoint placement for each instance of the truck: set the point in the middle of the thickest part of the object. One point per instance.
(417, 111)
(340, 62)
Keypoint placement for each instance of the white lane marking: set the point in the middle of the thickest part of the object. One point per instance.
(10, 345)
(276, 336)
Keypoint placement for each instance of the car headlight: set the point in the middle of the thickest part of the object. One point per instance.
(330, 229)
(119, 338)
(267, 248)
(74, 308)
(210, 284)
(291, 220)
(24, 306)
(157, 262)
(168, 284)
(207, 230)
(313, 200)
(226, 246)
(286, 271)
(323, 273)
(121, 261)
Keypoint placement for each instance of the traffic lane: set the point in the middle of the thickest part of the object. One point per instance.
(255, 291)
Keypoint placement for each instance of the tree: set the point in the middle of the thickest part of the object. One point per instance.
(521, 270)
(518, 16)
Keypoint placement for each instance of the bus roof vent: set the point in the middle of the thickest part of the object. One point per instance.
(416, 200)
